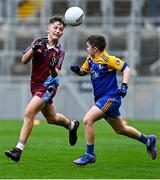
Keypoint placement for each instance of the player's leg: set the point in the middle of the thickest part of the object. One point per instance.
(120, 127)
(35, 105)
(52, 117)
(91, 116)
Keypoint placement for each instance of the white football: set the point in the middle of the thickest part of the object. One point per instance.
(74, 16)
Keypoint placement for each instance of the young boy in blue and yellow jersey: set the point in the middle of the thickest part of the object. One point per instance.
(103, 68)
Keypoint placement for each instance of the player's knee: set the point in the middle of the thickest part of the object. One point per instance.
(28, 114)
(87, 122)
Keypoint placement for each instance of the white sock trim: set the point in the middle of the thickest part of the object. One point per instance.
(71, 126)
(20, 146)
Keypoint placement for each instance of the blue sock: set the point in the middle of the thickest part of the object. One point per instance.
(90, 149)
(143, 139)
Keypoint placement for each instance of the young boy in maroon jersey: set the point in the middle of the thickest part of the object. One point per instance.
(47, 57)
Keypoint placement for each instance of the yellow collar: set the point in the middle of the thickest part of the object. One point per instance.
(97, 58)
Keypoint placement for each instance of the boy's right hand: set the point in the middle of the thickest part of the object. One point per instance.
(53, 62)
(39, 43)
(75, 69)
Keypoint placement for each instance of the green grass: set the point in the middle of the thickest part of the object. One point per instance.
(48, 154)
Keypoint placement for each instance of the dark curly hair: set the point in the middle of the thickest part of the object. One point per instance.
(56, 18)
(97, 41)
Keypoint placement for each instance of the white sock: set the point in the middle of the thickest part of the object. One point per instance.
(20, 146)
(71, 126)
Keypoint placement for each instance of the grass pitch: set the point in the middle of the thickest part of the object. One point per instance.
(48, 154)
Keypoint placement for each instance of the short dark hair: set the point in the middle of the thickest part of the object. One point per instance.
(97, 41)
(56, 18)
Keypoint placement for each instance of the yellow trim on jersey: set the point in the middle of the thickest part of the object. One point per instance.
(104, 58)
(107, 105)
(85, 65)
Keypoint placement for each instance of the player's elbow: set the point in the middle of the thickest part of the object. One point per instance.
(25, 60)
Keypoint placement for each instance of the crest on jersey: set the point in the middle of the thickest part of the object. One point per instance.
(94, 74)
(118, 62)
(100, 66)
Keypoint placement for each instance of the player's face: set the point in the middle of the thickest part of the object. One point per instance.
(90, 50)
(55, 31)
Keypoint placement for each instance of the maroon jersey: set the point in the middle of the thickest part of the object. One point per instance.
(40, 62)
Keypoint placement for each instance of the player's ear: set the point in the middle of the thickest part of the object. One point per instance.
(95, 49)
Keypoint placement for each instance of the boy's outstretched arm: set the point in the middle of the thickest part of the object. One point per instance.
(79, 71)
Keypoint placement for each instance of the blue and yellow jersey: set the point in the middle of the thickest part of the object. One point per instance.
(103, 73)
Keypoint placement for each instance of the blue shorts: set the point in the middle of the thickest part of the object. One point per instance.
(109, 105)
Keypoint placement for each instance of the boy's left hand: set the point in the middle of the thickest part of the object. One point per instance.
(123, 90)
(75, 68)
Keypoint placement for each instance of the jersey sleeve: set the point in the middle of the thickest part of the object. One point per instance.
(61, 58)
(85, 66)
(116, 63)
